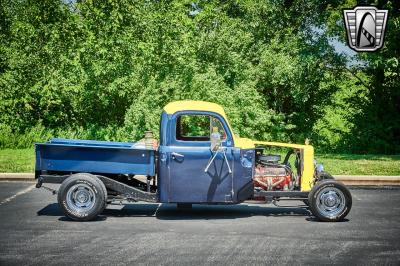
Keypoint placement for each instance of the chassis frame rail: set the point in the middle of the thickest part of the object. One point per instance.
(279, 194)
(126, 191)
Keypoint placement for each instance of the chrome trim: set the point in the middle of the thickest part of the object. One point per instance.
(330, 202)
(80, 198)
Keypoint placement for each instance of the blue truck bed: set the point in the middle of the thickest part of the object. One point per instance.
(71, 155)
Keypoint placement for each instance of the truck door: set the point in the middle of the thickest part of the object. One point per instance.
(190, 154)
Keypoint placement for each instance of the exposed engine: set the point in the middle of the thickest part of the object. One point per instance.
(271, 175)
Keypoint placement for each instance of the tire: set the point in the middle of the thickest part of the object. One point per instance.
(101, 184)
(325, 176)
(82, 197)
(322, 176)
(330, 200)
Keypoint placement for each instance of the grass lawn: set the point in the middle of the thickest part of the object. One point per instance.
(17, 161)
(22, 160)
(355, 164)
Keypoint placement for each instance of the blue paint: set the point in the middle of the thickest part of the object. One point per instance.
(180, 177)
(91, 157)
(184, 180)
(91, 142)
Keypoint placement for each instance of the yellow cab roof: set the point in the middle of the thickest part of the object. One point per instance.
(177, 106)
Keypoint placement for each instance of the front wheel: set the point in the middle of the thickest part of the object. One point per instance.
(330, 201)
(324, 176)
(82, 197)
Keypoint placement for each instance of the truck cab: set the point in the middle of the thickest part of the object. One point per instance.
(184, 154)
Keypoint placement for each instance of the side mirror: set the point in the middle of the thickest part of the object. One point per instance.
(215, 139)
(216, 147)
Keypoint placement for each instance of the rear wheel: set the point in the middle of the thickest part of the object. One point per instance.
(82, 197)
(330, 201)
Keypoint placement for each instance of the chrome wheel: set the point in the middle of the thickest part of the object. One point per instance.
(330, 201)
(80, 198)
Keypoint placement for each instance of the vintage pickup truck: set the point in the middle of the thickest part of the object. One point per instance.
(199, 160)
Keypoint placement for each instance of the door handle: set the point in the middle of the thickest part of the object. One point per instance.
(177, 156)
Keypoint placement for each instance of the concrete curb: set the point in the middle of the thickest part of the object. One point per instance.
(359, 180)
(368, 180)
(17, 177)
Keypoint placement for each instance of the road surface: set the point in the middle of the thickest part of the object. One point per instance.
(34, 231)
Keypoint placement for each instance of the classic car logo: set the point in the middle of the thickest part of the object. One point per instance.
(365, 26)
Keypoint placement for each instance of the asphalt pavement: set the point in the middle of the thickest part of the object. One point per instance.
(34, 231)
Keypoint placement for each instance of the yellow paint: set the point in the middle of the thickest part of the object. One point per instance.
(307, 181)
(244, 143)
(279, 144)
(177, 106)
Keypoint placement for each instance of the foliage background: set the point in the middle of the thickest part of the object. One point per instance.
(104, 70)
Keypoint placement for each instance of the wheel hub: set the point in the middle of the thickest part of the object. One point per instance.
(331, 201)
(80, 198)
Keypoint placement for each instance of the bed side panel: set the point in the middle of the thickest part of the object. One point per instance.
(94, 159)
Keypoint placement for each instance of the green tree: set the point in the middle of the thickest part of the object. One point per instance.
(105, 69)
